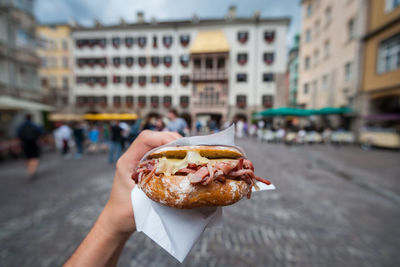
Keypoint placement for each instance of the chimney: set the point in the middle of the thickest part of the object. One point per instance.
(122, 22)
(256, 15)
(97, 23)
(153, 20)
(140, 17)
(195, 19)
(231, 13)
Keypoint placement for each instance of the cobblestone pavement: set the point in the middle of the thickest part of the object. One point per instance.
(332, 207)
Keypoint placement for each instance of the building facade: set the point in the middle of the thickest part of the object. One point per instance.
(380, 88)
(55, 69)
(19, 84)
(293, 69)
(329, 72)
(221, 68)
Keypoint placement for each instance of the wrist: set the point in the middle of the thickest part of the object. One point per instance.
(113, 223)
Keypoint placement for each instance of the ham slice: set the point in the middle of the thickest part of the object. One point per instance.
(198, 175)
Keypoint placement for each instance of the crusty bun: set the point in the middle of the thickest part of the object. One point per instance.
(177, 191)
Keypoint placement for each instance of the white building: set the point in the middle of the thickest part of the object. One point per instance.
(217, 67)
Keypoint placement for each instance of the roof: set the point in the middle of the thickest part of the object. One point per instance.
(184, 23)
(209, 42)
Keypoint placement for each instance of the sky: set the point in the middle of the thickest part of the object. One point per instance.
(110, 12)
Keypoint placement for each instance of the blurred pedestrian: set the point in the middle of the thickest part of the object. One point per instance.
(239, 128)
(115, 143)
(79, 138)
(198, 126)
(159, 125)
(135, 129)
(124, 133)
(63, 135)
(29, 134)
(177, 124)
(93, 138)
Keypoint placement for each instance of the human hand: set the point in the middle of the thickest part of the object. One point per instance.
(117, 216)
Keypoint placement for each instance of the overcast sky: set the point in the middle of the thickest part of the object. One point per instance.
(109, 12)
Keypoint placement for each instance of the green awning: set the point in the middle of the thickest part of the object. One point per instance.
(285, 111)
(332, 110)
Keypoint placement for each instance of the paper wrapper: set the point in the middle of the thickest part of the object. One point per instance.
(177, 230)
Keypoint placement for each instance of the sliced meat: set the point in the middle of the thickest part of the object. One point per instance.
(224, 167)
(241, 173)
(247, 164)
(198, 175)
(185, 171)
(265, 181)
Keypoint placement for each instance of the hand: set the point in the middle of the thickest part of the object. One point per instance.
(118, 213)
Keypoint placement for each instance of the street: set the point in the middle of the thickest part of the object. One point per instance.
(332, 207)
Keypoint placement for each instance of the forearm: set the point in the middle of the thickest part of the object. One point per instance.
(102, 246)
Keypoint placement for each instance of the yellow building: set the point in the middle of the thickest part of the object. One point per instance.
(380, 87)
(56, 67)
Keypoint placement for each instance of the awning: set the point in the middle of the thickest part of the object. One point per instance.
(210, 42)
(12, 103)
(285, 111)
(332, 110)
(111, 116)
(65, 117)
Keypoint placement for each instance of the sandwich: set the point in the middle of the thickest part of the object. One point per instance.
(196, 176)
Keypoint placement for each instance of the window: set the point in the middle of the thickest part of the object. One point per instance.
(391, 5)
(325, 81)
(242, 37)
(142, 41)
(154, 100)
(269, 36)
(328, 15)
(389, 54)
(65, 82)
(129, 61)
(316, 57)
(128, 41)
(168, 61)
(154, 41)
(241, 77)
(184, 59)
(242, 58)
(269, 58)
(155, 61)
(167, 80)
(308, 36)
(142, 61)
(117, 100)
(65, 62)
(129, 100)
(142, 101)
(309, 10)
(185, 39)
(305, 88)
(117, 61)
(306, 62)
(184, 101)
(129, 80)
(142, 80)
(209, 63)
(43, 62)
(348, 71)
(351, 29)
(116, 79)
(167, 101)
(197, 63)
(103, 100)
(116, 42)
(267, 101)
(167, 41)
(241, 101)
(155, 79)
(268, 77)
(64, 44)
(221, 63)
(184, 79)
(52, 62)
(327, 47)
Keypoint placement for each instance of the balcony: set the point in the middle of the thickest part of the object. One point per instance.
(209, 104)
(209, 75)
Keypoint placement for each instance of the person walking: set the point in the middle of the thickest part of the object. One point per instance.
(115, 143)
(63, 135)
(29, 133)
(177, 124)
(79, 137)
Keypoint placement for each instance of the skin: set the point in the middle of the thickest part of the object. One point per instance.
(32, 165)
(105, 241)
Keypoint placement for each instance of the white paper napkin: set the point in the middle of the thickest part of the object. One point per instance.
(177, 230)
